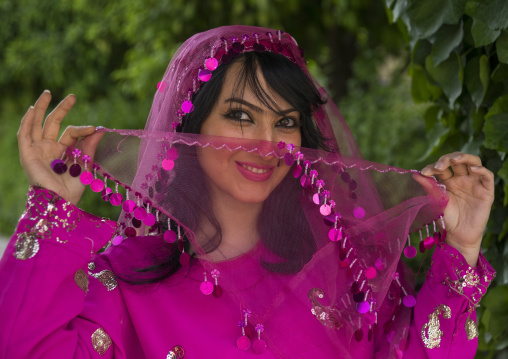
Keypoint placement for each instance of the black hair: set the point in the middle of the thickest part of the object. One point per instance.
(296, 88)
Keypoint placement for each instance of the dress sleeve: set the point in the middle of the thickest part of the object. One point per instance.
(44, 281)
(443, 322)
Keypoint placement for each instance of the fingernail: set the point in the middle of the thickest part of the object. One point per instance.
(425, 171)
(474, 168)
(457, 157)
(47, 91)
(439, 165)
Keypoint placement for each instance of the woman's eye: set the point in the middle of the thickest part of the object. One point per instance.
(288, 122)
(238, 115)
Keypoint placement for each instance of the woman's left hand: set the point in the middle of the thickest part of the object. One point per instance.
(470, 188)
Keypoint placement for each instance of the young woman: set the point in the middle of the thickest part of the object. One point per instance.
(251, 226)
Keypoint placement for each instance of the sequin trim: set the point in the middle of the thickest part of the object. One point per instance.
(101, 341)
(328, 315)
(471, 329)
(177, 352)
(26, 246)
(81, 280)
(431, 331)
(107, 278)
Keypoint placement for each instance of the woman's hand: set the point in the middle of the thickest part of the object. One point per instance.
(470, 187)
(38, 146)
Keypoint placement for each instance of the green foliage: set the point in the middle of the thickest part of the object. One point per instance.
(459, 56)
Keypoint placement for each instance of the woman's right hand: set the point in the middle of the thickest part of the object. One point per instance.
(38, 146)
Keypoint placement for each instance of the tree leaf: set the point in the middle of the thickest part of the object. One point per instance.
(496, 132)
(476, 78)
(500, 73)
(449, 74)
(482, 34)
(447, 38)
(502, 47)
(494, 13)
(421, 89)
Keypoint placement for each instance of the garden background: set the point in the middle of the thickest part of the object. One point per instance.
(414, 79)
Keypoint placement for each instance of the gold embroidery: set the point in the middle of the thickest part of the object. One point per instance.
(81, 280)
(101, 341)
(327, 315)
(176, 353)
(107, 278)
(431, 332)
(26, 246)
(470, 279)
(471, 329)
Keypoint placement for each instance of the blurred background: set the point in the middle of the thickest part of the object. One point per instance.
(413, 79)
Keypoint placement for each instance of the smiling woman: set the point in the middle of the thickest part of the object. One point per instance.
(244, 231)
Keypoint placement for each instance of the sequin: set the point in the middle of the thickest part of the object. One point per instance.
(328, 315)
(362, 307)
(410, 252)
(172, 154)
(428, 242)
(187, 106)
(258, 47)
(211, 63)
(335, 234)
(409, 301)
(431, 331)
(359, 212)
(471, 329)
(116, 199)
(81, 280)
(170, 236)
(168, 164)
(149, 220)
(184, 259)
(205, 75)
(259, 346)
(243, 342)
(161, 86)
(289, 159)
(91, 266)
(206, 288)
(101, 341)
(297, 171)
(325, 209)
(176, 352)
(359, 335)
(107, 278)
(117, 240)
(26, 246)
(471, 279)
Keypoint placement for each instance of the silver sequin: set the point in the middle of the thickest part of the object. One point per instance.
(26, 246)
(107, 278)
(101, 341)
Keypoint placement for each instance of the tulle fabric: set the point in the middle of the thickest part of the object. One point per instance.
(379, 206)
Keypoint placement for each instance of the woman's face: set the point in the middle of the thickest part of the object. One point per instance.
(244, 176)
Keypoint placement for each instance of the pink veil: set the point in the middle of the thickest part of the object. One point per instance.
(334, 267)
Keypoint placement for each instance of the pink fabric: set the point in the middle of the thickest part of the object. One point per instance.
(46, 315)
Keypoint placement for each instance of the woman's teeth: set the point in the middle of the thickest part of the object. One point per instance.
(256, 170)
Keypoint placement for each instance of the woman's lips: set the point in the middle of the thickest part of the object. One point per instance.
(254, 172)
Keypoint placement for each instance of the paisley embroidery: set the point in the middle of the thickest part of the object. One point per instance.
(176, 353)
(329, 316)
(101, 341)
(431, 331)
(81, 280)
(471, 329)
(107, 278)
(26, 246)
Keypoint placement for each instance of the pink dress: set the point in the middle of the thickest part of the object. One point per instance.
(58, 300)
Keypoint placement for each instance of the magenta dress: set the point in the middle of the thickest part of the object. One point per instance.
(59, 300)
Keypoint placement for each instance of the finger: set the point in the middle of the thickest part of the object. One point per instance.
(52, 124)
(90, 143)
(24, 132)
(73, 133)
(462, 161)
(486, 177)
(40, 107)
(429, 185)
(441, 174)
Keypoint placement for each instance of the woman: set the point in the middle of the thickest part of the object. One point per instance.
(245, 230)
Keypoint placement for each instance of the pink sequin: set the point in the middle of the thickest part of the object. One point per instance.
(325, 209)
(243, 343)
(168, 164)
(140, 213)
(187, 106)
(206, 288)
(97, 185)
(184, 259)
(369, 318)
(371, 273)
(129, 205)
(289, 159)
(428, 242)
(259, 346)
(409, 301)
(305, 181)
(149, 220)
(170, 236)
(316, 198)
(116, 199)
(363, 307)
(117, 240)
(211, 63)
(410, 252)
(172, 154)
(359, 212)
(297, 171)
(86, 177)
(205, 75)
(335, 234)
(379, 264)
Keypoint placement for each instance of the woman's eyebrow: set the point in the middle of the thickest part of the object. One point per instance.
(256, 108)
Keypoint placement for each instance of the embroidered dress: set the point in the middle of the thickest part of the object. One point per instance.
(324, 280)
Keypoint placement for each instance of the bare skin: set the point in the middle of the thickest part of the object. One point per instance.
(470, 185)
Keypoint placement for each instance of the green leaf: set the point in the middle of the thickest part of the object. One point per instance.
(496, 132)
(425, 17)
(421, 50)
(478, 119)
(500, 73)
(496, 300)
(421, 88)
(446, 39)
(431, 116)
(476, 77)
(482, 34)
(449, 74)
(502, 47)
(492, 12)
(499, 106)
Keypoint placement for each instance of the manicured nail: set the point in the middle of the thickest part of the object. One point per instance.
(474, 168)
(426, 171)
(47, 91)
(457, 157)
(439, 165)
